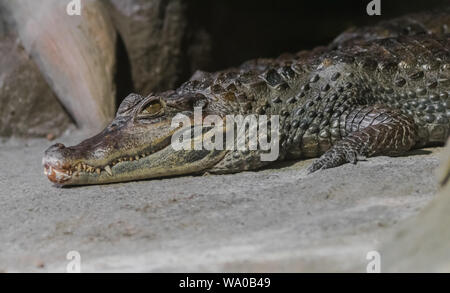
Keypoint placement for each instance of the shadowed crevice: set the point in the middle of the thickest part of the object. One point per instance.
(123, 76)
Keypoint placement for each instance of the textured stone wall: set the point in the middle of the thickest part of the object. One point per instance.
(161, 44)
(91, 63)
(28, 105)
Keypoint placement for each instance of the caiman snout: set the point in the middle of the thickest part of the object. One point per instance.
(54, 163)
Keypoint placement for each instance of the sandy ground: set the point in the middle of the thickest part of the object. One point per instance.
(276, 219)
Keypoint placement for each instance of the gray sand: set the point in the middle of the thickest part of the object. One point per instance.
(276, 219)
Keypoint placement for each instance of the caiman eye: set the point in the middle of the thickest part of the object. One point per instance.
(153, 108)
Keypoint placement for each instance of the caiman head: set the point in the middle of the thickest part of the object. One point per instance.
(135, 145)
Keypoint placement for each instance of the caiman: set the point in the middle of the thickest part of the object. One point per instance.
(380, 90)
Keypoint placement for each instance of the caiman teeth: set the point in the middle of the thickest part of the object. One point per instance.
(78, 168)
(108, 170)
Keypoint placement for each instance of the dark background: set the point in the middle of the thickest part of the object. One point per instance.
(245, 29)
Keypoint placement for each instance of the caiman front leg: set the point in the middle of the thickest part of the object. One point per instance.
(369, 131)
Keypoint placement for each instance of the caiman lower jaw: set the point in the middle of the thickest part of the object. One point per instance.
(60, 175)
(62, 172)
(162, 163)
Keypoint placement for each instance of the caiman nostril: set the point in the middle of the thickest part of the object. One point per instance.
(59, 146)
(54, 153)
(55, 147)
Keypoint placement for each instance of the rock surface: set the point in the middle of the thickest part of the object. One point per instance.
(28, 106)
(76, 54)
(422, 244)
(276, 219)
(163, 47)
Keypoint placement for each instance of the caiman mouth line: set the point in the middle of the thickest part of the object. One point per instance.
(60, 174)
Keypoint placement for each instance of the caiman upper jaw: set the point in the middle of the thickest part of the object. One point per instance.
(71, 166)
(67, 166)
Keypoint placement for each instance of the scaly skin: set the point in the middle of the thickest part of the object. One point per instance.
(373, 91)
